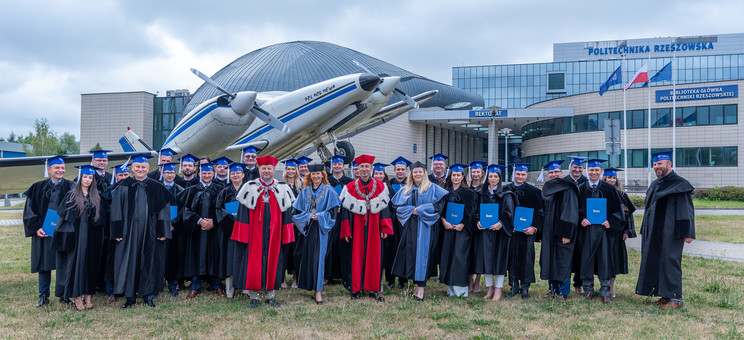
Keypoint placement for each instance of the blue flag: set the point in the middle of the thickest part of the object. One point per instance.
(664, 74)
(614, 79)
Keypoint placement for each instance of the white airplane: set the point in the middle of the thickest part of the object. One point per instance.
(288, 122)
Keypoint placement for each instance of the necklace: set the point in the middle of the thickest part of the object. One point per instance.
(315, 199)
(265, 188)
(367, 196)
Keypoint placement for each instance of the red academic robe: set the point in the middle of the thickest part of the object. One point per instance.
(364, 226)
(260, 232)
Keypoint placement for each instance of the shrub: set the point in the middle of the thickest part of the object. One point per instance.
(637, 201)
(727, 193)
(700, 193)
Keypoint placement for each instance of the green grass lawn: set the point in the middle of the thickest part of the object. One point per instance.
(714, 309)
(723, 228)
(17, 206)
(705, 203)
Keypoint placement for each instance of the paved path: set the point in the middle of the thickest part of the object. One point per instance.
(11, 222)
(707, 249)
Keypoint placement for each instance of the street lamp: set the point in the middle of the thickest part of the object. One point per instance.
(506, 132)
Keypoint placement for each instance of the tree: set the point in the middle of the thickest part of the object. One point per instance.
(97, 147)
(41, 142)
(68, 145)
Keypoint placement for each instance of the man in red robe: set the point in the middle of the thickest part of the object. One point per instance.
(365, 222)
(263, 225)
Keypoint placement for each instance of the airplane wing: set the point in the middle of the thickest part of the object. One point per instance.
(401, 106)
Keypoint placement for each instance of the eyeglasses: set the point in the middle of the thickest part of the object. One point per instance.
(249, 156)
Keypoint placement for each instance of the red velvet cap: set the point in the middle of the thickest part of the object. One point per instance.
(266, 160)
(365, 159)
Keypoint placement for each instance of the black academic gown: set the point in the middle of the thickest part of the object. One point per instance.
(186, 183)
(576, 261)
(40, 197)
(103, 182)
(669, 218)
(597, 241)
(292, 258)
(619, 249)
(339, 266)
(561, 198)
(202, 254)
(251, 174)
(225, 222)
(222, 182)
(177, 244)
(455, 261)
(78, 241)
(522, 253)
(492, 250)
(108, 250)
(390, 244)
(140, 214)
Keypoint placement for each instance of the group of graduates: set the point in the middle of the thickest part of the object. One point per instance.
(233, 226)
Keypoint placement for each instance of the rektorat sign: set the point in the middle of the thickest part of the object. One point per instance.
(487, 114)
(699, 93)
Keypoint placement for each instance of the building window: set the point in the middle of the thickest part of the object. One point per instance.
(556, 82)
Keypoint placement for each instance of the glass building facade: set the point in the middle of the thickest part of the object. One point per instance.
(166, 114)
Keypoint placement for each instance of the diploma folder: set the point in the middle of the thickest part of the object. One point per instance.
(523, 218)
(232, 208)
(50, 222)
(596, 210)
(396, 187)
(338, 189)
(454, 213)
(489, 214)
(173, 212)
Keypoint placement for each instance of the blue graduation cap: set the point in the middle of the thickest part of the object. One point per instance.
(167, 152)
(401, 160)
(100, 153)
(662, 155)
(120, 168)
(611, 172)
(86, 169)
(206, 166)
(457, 167)
(380, 166)
(251, 149)
(189, 158)
(440, 157)
(354, 164)
(520, 166)
(304, 160)
(499, 169)
(171, 166)
(222, 161)
(338, 159)
(237, 167)
(595, 163)
(553, 165)
(578, 160)
(290, 162)
(477, 165)
(140, 158)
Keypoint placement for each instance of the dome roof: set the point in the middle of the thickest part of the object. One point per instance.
(292, 65)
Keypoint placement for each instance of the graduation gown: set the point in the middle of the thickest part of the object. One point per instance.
(251, 174)
(263, 224)
(364, 220)
(40, 197)
(108, 250)
(456, 251)
(292, 259)
(619, 249)
(140, 214)
(102, 182)
(340, 264)
(669, 218)
(576, 261)
(186, 183)
(597, 241)
(492, 248)
(522, 246)
(176, 246)
(391, 243)
(202, 249)
(225, 222)
(561, 198)
(312, 248)
(78, 241)
(417, 238)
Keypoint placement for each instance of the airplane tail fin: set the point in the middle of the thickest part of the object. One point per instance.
(130, 142)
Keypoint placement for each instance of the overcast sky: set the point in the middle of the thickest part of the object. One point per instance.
(52, 51)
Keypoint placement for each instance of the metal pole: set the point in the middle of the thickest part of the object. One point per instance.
(625, 133)
(674, 111)
(648, 157)
(506, 157)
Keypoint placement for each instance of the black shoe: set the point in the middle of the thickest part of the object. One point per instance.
(43, 300)
(390, 286)
(401, 285)
(356, 295)
(525, 295)
(173, 291)
(128, 304)
(253, 304)
(149, 303)
(65, 301)
(273, 303)
(377, 296)
(511, 294)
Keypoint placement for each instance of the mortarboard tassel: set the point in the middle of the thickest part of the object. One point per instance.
(46, 171)
(541, 178)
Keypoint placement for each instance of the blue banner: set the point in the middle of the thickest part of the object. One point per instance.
(488, 114)
(699, 93)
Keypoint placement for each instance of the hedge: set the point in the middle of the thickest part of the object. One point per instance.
(727, 193)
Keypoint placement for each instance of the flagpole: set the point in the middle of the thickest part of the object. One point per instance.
(648, 157)
(674, 111)
(625, 133)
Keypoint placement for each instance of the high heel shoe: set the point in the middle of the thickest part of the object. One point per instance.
(78, 303)
(89, 303)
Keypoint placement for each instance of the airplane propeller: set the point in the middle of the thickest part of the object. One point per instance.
(406, 98)
(255, 110)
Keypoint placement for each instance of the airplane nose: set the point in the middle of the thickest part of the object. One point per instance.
(368, 81)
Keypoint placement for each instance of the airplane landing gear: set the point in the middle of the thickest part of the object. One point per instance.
(343, 148)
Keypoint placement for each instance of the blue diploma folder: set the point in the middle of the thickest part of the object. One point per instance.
(50, 222)
(489, 214)
(338, 189)
(454, 213)
(596, 210)
(173, 212)
(523, 218)
(396, 187)
(232, 208)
